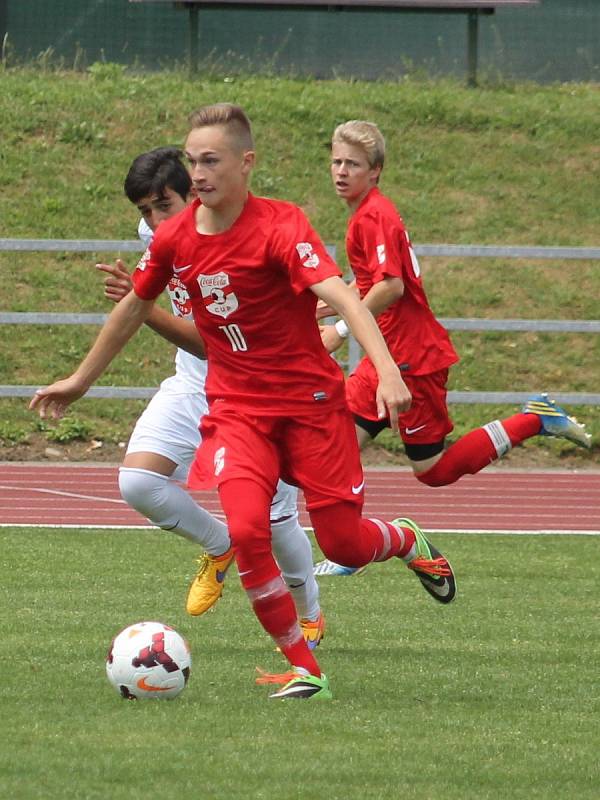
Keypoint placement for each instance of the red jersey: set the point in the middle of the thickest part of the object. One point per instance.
(249, 288)
(378, 246)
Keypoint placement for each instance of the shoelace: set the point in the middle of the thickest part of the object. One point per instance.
(202, 565)
(274, 677)
(431, 566)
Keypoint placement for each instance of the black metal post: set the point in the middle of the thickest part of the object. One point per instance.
(3, 25)
(193, 38)
(472, 42)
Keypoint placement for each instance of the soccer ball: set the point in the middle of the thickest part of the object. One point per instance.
(148, 659)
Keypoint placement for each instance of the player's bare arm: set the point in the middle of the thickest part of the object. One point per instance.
(323, 310)
(180, 332)
(126, 318)
(380, 297)
(393, 396)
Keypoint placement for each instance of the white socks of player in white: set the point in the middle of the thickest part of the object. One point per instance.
(293, 552)
(166, 504)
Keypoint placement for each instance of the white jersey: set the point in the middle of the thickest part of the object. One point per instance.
(190, 371)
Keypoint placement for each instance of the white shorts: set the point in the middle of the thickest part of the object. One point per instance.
(168, 427)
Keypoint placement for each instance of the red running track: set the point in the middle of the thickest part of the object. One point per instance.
(496, 500)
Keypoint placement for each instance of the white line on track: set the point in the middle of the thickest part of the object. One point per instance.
(140, 528)
(64, 494)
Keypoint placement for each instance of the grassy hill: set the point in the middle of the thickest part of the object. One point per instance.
(506, 164)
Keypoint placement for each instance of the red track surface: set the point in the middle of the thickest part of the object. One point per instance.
(495, 500)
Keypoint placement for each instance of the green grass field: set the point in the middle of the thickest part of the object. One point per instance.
(493, 697)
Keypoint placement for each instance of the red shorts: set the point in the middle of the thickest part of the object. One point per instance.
(317, 453)
(426, 421)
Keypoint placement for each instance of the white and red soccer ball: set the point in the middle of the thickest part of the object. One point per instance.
(148, 660)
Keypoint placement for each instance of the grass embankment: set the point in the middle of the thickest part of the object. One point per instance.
(496, 165)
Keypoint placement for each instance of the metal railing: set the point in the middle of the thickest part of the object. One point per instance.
(430, 250)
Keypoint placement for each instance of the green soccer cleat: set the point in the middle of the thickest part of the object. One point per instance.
(556, 422)
(304, 687)
(429, 565)
(299, 684)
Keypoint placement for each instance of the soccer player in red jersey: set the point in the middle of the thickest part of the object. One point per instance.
(253, 269)
(388, 280)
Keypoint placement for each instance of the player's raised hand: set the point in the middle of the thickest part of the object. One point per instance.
(393, 397)
(330, 338)
(52, 401)
(118, 283)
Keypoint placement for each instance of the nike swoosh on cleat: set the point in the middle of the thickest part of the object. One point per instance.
(442, 590)
(220, 576)
(358, 489)
(408, 431)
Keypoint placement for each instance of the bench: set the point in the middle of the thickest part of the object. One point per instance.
(472, 8)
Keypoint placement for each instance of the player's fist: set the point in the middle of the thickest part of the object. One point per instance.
(323, 310)
(330, 338)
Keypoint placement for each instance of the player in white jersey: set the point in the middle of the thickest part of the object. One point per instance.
(166, 436)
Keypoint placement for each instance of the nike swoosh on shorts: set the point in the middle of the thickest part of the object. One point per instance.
(408, 431)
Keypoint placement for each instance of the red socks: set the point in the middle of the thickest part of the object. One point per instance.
(276, 612)
(480, 447)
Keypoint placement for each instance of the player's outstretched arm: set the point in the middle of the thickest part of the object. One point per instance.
(393, 396)
(123, 322)
(180, 332)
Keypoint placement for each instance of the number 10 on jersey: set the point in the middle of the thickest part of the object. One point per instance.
(235, 337)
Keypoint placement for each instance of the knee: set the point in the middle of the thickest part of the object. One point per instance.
(431, 478)
(247, 529)
(143, 490)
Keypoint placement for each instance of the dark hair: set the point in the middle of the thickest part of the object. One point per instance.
(153, 172)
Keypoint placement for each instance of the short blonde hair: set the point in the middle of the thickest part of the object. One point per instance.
(365, 135)
(233, 117)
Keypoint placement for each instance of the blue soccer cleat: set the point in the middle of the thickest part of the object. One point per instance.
(328, 567)
(556, 422)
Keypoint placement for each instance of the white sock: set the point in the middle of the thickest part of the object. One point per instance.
(293, 553)
(169, 506)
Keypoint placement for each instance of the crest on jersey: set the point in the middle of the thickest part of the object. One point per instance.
(308, 257)
(217, 294)
(180, 299)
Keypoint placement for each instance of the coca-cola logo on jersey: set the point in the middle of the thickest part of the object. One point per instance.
(218, 297)
(180, 299)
